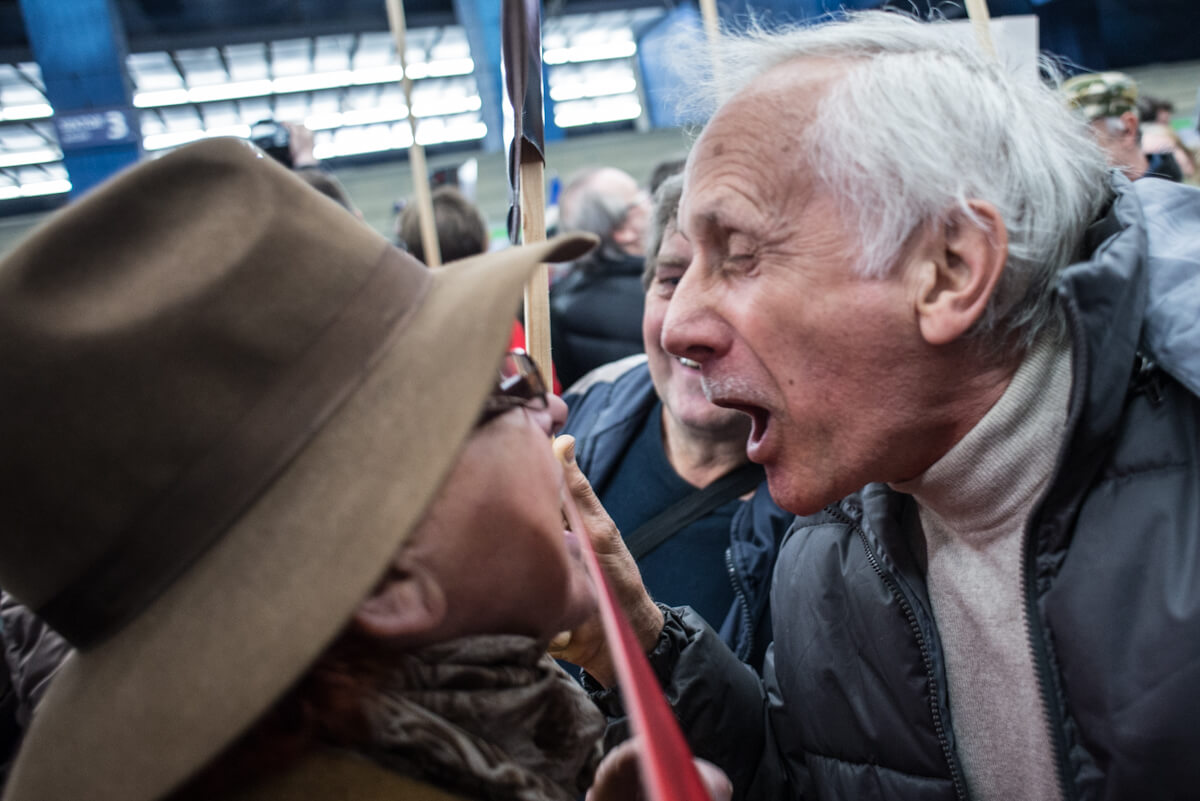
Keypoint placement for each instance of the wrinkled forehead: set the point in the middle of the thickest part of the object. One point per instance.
(754, 142)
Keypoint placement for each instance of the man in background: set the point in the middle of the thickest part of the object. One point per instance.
(1109, 102)
(596, 310)
(461, 232)
(461, 229)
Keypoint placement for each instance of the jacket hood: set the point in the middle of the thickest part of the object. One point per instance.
(1171, 215)
(1137, 289)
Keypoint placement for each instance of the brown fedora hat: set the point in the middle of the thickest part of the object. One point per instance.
(224, 404)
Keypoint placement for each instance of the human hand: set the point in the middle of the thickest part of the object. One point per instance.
(618, 778)
(301, 145)
(585, 645)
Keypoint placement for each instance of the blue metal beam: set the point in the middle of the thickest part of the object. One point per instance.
(481, 22)
(80, 47)
(552, 132)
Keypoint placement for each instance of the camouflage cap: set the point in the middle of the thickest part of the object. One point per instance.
(1101, 94)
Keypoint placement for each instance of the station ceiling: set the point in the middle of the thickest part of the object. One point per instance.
(176, 24)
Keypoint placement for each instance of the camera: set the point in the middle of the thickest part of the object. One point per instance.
(275, 140)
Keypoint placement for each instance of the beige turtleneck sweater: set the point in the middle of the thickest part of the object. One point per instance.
(974, 505)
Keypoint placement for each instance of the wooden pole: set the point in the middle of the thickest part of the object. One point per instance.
(537, 290)
(416, 153)
(712, 30)
(977, 12)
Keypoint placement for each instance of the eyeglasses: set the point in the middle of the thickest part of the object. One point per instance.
(520, 384)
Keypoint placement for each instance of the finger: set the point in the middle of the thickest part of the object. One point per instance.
(617, 777)
(715, 781)
(577, 482)
(564, 449)
(602, 531)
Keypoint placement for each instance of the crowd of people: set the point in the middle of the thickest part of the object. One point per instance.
(882, 409)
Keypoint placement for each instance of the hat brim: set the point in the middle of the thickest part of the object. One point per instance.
(135, 717)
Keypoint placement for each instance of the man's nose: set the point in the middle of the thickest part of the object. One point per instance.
(690, 329)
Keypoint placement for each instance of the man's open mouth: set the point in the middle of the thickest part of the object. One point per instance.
(760, 418)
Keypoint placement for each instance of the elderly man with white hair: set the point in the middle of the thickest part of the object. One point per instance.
(971, 358)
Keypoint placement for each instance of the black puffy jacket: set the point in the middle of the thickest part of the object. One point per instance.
(596, 314)
(853, 702)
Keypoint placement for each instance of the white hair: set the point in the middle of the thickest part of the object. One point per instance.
(919, 124)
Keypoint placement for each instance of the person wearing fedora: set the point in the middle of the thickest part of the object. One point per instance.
(260, 473)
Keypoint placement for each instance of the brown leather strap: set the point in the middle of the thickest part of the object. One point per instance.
(231, 475)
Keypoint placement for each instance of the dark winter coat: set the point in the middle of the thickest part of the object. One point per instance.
(596, 314)
(853, 703)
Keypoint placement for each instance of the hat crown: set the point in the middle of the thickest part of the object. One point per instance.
(1101, 94)
(139, 329)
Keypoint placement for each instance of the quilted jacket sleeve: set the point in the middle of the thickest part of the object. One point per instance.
(721, 704)
(33, 652)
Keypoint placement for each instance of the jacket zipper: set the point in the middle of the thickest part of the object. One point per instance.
(960, 790)
(1033, 621)
(746, 643)
(1041, 663)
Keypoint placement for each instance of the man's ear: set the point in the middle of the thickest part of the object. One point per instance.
(407, 605)
(961, 265)
(1131, 124)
